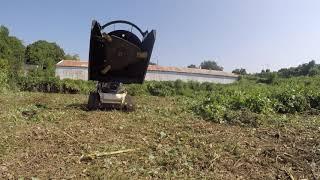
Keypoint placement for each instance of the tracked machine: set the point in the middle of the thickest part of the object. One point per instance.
(117, 57)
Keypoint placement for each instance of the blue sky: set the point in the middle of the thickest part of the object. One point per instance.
(253, 34)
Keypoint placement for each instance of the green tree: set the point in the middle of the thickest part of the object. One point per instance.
(315, 71)
(12, 50)
(192, 66)
(44, 54)
(71, 57)
(240, 71)
(4, 48)
(302, 70)
(211, 65)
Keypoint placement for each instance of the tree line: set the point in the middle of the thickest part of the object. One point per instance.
(42, 54)
(213, 65)
(305, 69)
(208, 64)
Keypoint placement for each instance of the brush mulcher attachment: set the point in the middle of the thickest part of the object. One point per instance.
(115, 58)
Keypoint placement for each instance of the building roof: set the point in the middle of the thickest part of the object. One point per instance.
(72, 63)
(190, 70)
(76, 63)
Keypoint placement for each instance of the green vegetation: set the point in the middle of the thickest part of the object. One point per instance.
(240, 71)
(45, 55)
(55, 85)
(216, 102)
(72, 57)
(11, 57)
(208, 64)
(295, 95)
(42, 55)
(307, 69)
(4, 71)
(269, 122)
(211, 65)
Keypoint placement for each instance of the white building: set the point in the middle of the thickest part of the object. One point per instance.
(71, 69)
(79, 70)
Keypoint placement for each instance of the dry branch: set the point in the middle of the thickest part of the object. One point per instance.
(92, 156)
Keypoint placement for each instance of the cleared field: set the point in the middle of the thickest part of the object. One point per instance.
(44, 135)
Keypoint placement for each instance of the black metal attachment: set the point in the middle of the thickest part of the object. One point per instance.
(119, 56)
(115, 58)
(125, 22)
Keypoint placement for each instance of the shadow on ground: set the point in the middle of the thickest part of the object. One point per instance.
(79, 106)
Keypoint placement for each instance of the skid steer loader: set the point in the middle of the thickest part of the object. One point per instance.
(117, 57)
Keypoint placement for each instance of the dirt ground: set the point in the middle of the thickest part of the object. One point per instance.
(45, 135)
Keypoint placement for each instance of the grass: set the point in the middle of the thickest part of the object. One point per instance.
(44, 135)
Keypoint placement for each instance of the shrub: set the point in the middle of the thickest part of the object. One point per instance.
(181, 88)
(243, 117)
(314, 99)
(160, 89)
(294, 95)
(291, 101)
(4, 78)
(268, 78)
(206, 86)
(55, 85)
(194, 85)
(3, 81)
(258, 104)
(211, 110)
(137, 89)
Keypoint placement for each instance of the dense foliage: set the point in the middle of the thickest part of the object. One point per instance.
(55, 85)
(71, 57)
(41, 55)
(240, 71)
(295, 95)
(44, 54)
(11, 58)
(11, 48)
(219, 102)
(306, 69)
(192, 66)
(211, 65)
(4, 69)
